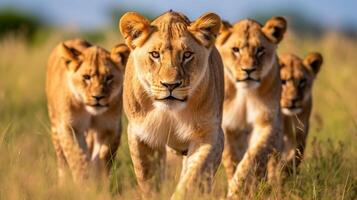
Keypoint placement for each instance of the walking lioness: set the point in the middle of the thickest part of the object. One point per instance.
(173, 95)
(251, 111)
(298, 76)
(84, 88)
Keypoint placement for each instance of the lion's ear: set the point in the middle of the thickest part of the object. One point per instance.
(224, 33)
(313, 62)
(119, 55)
(71, 56)
(135, 28)
(274, 29)
(206, 28)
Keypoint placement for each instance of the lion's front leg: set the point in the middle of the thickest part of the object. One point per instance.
(61, 160)
(235, 145)
(148, 165)
(105, 145)
(255, 161)
(75, 150)
(201, 164)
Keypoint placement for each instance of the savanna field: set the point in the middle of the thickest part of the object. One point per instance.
(28, 163)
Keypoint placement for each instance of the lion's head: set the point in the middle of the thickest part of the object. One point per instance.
(95, 76)
(248, 49)
(297, 77)
(170, 54)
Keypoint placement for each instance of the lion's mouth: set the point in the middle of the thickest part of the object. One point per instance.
(98, 105)
(249, 79)
(172, 98)
(292, 110)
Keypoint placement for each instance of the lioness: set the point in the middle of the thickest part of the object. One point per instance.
(297, 76)
(173, 95)
(84, 94)
(251, 110)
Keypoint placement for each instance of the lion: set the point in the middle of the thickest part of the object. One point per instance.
(298, 76)
(173, 95)
(84, 94)
(251, 111)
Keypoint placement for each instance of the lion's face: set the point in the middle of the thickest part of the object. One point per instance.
(170, 70)
(95, 77)
(297, 77)
(248, 49)
(174, 57)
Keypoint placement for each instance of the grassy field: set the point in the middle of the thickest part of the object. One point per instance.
(27, 159)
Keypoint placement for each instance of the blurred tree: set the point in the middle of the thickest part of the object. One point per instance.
(13, 21)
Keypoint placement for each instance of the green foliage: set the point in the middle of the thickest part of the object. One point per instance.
(12, 21)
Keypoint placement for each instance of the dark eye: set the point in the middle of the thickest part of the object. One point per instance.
(260, 51)
(109, 78)
(302, 83)
(235, 49)
(187, 55)
(283, 82)
(86, 77)
(155, 54)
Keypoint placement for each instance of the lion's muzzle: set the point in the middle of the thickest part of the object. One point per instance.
(172, 91)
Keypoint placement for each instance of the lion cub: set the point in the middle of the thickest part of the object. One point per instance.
(173, 95)
(251, 110)
(84, 94)
(298, 76)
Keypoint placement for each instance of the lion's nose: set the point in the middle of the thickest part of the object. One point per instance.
(171, 86)
(293, 102)
(248, 70)
(98, 97)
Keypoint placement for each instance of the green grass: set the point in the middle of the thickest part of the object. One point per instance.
(27, 159)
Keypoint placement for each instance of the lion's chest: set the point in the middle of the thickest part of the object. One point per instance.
(160, 128)
(241, 113)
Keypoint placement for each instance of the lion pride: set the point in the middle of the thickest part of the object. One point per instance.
(84, 94)
(173, 95)
(298, 76)
(251, 110)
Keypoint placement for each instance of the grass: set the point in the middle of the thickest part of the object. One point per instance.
(27, 159)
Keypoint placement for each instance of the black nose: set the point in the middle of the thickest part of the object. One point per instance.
(99, 97)
(249, 70)
(293, 103)
(171, 86)
(294, 100)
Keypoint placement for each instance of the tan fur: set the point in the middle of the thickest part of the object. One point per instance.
(85, 131)
(172, 50)
(298, 76)
(251, 112)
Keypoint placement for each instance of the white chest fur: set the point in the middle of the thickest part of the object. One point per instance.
(162, 127)
(242, 112)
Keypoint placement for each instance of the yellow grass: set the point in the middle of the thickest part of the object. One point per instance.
(27, 159)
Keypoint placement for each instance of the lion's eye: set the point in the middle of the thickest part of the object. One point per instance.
(187, 55)
(86, 77)
(235, 49)
(155, 54)
(302, 83)
(109, 78)
(283, 82)
(260, 51)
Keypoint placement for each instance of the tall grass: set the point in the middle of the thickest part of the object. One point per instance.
(27, 159)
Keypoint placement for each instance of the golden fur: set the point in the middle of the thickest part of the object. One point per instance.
(173, 95)
(298, 76)
(84, 89)
(251, 111)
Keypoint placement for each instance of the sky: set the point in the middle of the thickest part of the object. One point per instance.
(92, 14)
